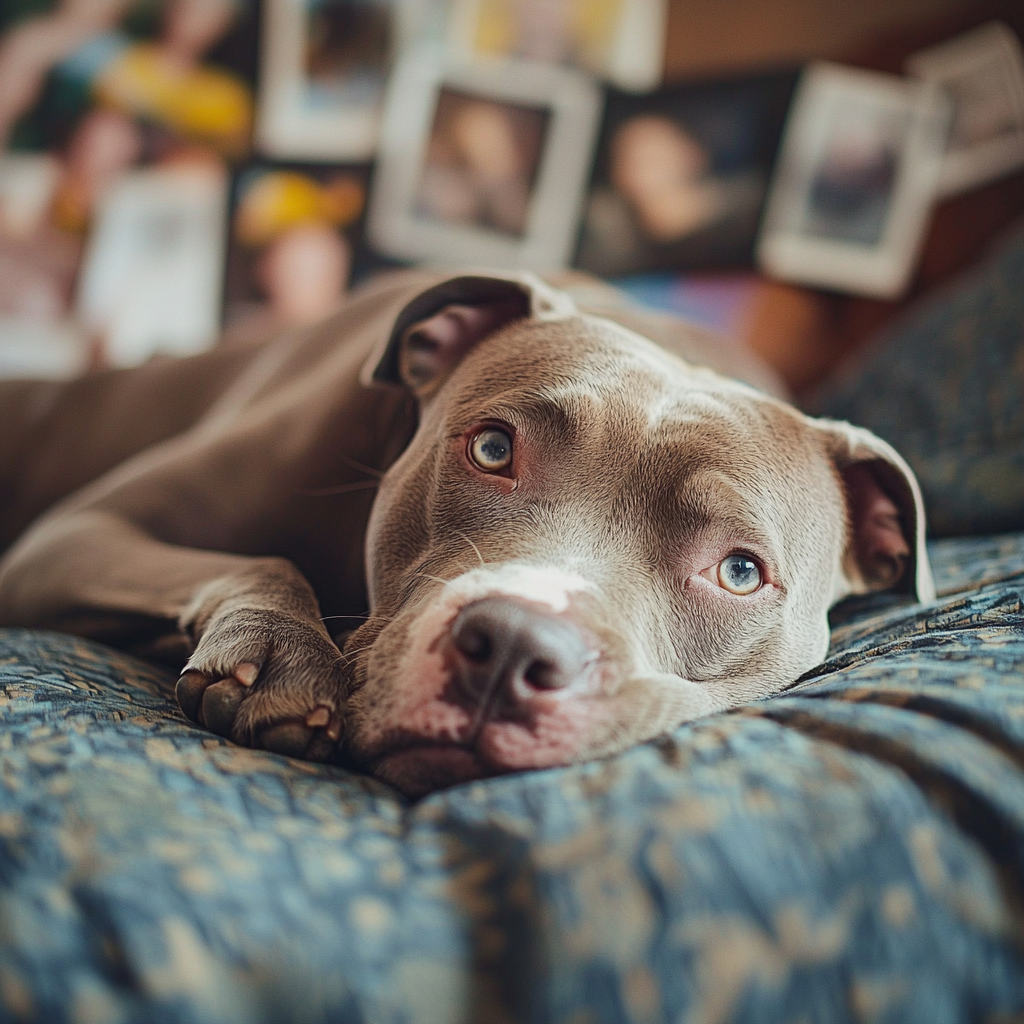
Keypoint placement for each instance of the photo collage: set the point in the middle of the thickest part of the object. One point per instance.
(297, 146)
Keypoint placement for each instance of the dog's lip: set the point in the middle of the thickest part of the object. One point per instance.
(402, 743)
(419, 768)
(429, 751)
(397, 740)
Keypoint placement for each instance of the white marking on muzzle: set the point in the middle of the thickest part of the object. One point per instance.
(545, 585)
(542, 584)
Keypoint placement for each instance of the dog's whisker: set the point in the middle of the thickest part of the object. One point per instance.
(383, 618)
(347, 657)
(356, 464)
(320, 492)
(469, 541)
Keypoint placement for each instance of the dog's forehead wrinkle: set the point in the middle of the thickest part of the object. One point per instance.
(563, 413)
(627, 419)
(611, 384)
(587, 353)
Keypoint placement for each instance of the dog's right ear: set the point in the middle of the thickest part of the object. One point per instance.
(439, 326)
(885, 513)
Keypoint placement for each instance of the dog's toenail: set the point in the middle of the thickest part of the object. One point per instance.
(189, 693)
(333, 730)
(246, 673)
(220, 705)
(321, 716)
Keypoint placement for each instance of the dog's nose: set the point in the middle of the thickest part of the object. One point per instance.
(510, 649)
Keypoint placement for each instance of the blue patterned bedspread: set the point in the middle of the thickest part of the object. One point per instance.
(852, 850)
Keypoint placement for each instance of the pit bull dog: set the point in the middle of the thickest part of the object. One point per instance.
(569, 539)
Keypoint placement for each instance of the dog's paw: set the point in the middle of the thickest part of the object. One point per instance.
(266, 680)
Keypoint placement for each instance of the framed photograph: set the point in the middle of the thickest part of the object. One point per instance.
(622, 41)
(150, 278)
(855, 180)
(681, 175)
(293, 241)
(483, 164)
(983, 71)
(323, 70)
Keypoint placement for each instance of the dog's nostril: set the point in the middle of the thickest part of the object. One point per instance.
(475, 644)
(544, 675)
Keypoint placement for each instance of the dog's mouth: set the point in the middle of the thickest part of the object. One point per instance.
(420, 767)
(417, 764)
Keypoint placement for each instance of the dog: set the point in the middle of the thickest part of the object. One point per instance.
(569, 538)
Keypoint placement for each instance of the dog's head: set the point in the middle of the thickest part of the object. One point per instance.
(589, 541)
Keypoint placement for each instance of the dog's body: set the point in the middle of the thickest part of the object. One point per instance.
(579, 540)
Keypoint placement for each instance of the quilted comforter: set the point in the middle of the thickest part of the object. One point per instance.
(851, 850)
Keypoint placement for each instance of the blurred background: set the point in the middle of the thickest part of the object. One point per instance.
(182, 173)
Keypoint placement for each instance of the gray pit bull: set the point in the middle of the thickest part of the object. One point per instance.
(569, 539)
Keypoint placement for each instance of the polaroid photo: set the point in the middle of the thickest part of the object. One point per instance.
(983, 70)
(854, 183)
(681, 176)
(622, 41)
(151, 276)
(293, 241)
(323, 71)
(484, 163)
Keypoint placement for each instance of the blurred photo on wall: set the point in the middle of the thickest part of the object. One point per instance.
(184, 66)
(619, 40)
(149, 282)
(681, 176)
(855, 180)
(121, 119)
(324, 66)
(851, 189)
(483, 163)
(983, 71)
(293, 238)
(38, 265)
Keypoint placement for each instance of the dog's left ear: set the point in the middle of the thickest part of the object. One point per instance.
(439, 326)
(886, 541)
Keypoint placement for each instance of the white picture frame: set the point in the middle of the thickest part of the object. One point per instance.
(854, 182)
(623, 44)
(151, 276)
(337, 119)
(401, 223)
(983, 70)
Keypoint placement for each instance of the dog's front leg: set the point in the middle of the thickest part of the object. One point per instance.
(263, 670)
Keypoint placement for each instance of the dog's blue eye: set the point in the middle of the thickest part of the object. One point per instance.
(739, 574)
(491, 450)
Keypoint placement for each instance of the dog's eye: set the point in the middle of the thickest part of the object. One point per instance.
(491, 450)
(739, 574)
